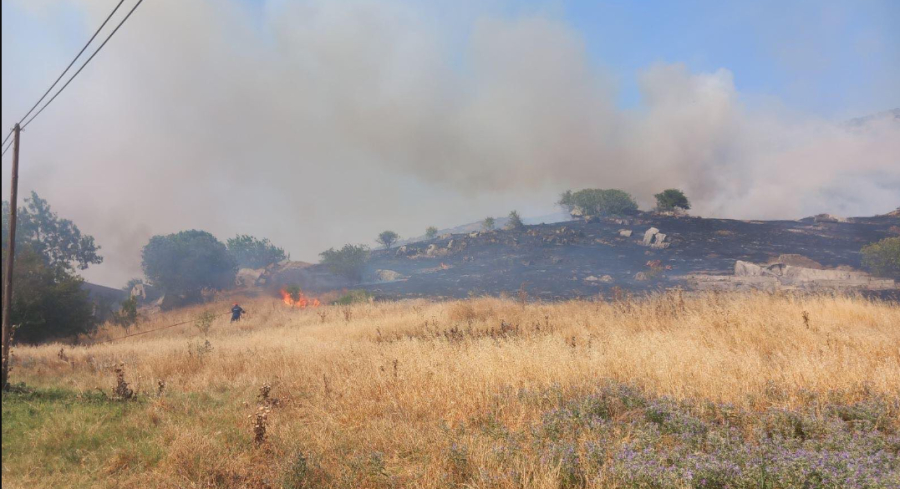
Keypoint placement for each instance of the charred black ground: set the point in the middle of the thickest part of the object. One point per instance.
(586, 258)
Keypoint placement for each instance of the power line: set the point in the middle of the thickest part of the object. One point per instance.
(7, 136)
(4, 149)
(111, 34)
(73, 62)
(157, 329)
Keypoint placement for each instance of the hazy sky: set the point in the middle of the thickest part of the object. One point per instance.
(317, 123)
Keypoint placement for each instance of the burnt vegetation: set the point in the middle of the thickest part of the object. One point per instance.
(640, 251)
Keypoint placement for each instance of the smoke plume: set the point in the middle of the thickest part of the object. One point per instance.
(318, 123)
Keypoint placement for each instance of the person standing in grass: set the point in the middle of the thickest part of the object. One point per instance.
(236, 312)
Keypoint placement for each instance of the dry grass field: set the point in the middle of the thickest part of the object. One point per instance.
(718, 390)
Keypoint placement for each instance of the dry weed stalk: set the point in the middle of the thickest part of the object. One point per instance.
(265, 398)
(260, 421)
(122, 390)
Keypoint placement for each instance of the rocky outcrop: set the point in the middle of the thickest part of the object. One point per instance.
(389, 276)
(249, 277)
(828, 218)
(604, 279)
(144, 293)
(781, 275)
(434, 250)
(655, 239)
(796, 260)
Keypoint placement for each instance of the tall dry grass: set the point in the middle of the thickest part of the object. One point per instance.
(401, 380)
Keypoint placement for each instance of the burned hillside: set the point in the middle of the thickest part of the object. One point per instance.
(640, 253)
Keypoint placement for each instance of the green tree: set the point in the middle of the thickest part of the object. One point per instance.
(883, 257)
(488, 224)
(59, 241)
(598, 202)
(431, 232)
(514, 222)
(48, 301)
(250, 252)
(671, 199)
(349, 261)
(387, 238)
(188, 261)
(127, 316)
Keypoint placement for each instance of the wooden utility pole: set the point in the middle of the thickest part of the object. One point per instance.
(10, 257)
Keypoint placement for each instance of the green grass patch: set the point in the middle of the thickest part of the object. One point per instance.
(57, 437)
(61, 432)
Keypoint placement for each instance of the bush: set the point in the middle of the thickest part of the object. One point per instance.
(883, 257)
(388, 238)
(354, 297)
(127, 316)
(598, 202)
(250, 252)
(204, 322)
(186, 262)
(488, 224)
(671, 199)
(514, 222)
(349, 261)
(431, 232)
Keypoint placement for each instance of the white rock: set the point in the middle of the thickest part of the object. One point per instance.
(388, 275)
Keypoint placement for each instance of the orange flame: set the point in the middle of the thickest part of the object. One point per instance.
(301, 302)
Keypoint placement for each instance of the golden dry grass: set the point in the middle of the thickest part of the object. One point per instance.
(399, 383)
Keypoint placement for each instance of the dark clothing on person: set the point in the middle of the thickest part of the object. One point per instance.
(236, 312)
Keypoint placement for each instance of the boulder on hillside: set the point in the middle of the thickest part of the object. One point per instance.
(248, 277)
(145, 293)
(747, 269)
(389, 276)
(796, 260)
(790, 275)
(649, 235)
(659, 241)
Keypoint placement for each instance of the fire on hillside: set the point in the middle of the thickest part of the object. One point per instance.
(294, 297)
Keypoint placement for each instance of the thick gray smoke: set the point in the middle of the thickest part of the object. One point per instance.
(320, 123)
